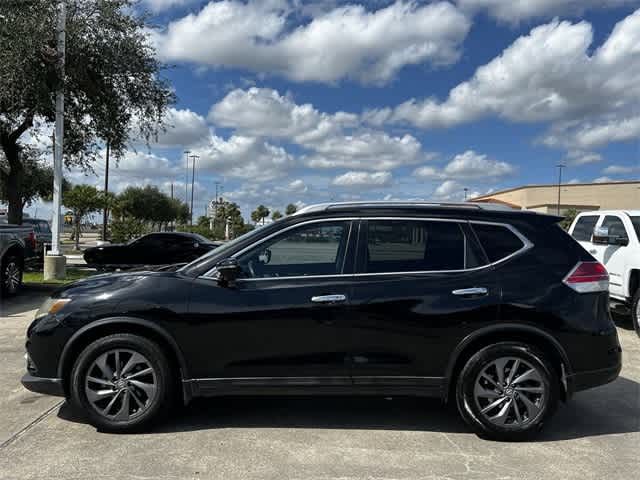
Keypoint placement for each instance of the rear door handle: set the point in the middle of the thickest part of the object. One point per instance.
(329, 298)
(469, 292)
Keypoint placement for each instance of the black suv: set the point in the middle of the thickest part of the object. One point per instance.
(497, 310)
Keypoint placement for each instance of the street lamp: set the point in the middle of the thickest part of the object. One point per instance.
(193, 176)
(186, 175)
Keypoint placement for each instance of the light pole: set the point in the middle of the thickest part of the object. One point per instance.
(54, 264)
(186, 175)
(105, 212)
(193, 177)
(465, 193)
(560, 167)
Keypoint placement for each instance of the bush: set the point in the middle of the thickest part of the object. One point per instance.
(123, 230)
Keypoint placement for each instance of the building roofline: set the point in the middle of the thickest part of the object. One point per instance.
(524, 187)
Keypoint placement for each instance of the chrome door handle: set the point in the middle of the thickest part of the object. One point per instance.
(471, 291)
(593, 251)
(329, 298)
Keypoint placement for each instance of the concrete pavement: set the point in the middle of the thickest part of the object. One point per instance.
(595, 436)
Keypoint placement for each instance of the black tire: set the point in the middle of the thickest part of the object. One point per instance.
(544, 404)
(635, 311)
(11, 267)
(156, 406)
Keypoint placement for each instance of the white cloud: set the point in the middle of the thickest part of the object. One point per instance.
(514, 11)
(367, 151)
(345, 42)
(264, 112)
(334, 140)
(549, 75)
(620, 170)
(448, 189)
(578, 157)
(363, 180)
(467, 166)
(183, 128)
(244, 157)
(603, 180)
(593, 134)
(157, 6)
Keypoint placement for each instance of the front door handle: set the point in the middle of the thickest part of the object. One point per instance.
(329, 298)
(471, 292)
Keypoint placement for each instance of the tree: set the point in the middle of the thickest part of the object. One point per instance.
(203, 221)
(291, 209)
(150, 205)
(112, 80)
(36, 181)
(569, 217)
(276, 215)
(259, 214)
(82, 200)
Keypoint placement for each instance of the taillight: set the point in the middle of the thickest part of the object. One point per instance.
(587, 277)
(32, 240)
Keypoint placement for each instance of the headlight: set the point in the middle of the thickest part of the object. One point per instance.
(51, 306)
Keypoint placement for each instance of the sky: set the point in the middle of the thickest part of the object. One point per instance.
(291, 101)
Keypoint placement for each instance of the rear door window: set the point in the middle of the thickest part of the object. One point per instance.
(498, 241)
(416, 246)
(583, 229)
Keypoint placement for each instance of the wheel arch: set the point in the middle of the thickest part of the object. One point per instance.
(108, 326)
(15, 249)
(508, 332)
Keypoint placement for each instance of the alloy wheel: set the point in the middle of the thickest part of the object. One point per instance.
(12, 277)
(510, 392)
(121, 384)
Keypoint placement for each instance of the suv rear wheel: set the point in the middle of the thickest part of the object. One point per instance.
(123, 382)
(507, 391)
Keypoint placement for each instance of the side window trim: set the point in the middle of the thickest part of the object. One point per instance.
(359, 223)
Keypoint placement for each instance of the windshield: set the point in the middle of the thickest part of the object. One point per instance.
(636, 225)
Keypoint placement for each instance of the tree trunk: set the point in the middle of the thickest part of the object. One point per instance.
(14, 181)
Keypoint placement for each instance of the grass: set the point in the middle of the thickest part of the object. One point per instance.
(73, 274)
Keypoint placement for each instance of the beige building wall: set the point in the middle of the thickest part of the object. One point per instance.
(582, 196)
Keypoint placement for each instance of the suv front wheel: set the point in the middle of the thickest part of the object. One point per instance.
(123, 382)
(635, 311)
(507, 391)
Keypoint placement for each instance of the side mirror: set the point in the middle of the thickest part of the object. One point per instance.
(228, 271)
(601, 235)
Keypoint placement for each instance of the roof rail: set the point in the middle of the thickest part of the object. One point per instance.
(381, 204)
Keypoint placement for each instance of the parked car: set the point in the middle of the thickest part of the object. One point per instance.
(17, 245)
(499, 311)
(613, 238)
(153, 249)
(42, 231)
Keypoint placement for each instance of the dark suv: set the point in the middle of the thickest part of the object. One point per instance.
(495, 309)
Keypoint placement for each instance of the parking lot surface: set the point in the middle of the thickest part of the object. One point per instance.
(595, 436)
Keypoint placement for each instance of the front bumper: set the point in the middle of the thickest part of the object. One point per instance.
(47, 386)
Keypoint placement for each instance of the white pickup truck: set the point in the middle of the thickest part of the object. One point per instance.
(613, 238)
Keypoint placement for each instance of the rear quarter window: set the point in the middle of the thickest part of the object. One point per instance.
(583, 228)
(498, 241)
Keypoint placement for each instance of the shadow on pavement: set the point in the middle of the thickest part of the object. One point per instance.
(28, 298)
(612, 409)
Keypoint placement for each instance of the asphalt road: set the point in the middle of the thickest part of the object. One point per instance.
(595, 436)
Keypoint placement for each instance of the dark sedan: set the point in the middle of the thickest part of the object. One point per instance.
(163, 248)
